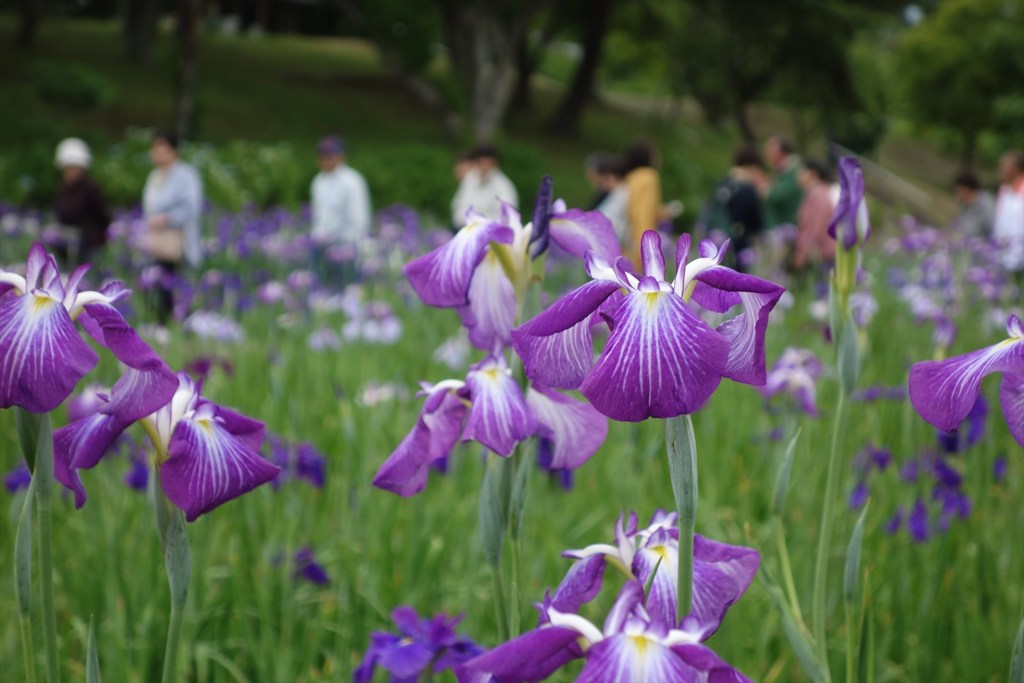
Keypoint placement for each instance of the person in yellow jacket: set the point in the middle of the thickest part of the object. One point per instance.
(643, 186)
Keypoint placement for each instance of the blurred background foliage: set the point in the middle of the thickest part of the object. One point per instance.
(921, 88)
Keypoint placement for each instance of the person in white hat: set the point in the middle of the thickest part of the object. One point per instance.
(79, 203)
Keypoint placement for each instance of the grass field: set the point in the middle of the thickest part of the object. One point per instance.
(945, 610)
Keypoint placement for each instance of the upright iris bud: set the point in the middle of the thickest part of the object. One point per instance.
(541, 218)
(850, 226)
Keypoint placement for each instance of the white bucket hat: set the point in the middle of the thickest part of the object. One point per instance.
(73, 152)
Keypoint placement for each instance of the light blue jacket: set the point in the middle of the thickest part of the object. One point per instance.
(178, 194)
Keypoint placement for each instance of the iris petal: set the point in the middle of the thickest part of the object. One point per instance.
(499, 417)
(442, 277)
(433, 437)
(575, 428)
(745, 332)
(42, 356)
(661, 360)
(943, 392)
(1011, 397)
(533, 656)
(208, 466)
(80, 445)
(634, 658)
(149, 384)
(579, 231)
(490, 314)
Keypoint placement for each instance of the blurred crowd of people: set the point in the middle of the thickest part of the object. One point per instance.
(759, 193)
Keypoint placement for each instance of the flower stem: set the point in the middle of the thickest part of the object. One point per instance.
(825, 537)
(28, 648)
(682, 466)
(178, 563)
(787, 571)
(499, 602)
(43, 481)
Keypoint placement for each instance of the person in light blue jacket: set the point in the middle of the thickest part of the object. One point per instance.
(172, 202)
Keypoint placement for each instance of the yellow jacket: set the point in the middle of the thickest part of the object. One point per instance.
(644, 210)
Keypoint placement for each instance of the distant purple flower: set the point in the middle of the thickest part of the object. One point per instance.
(796, 372)
(208, 325)
(208, 454)
(323, 339)
(944, 392)
(895, 522)
(999, 468)
(202, 366)
(18, 478)
(308, 569)
(859, 495)
(42, 355)
(137, 476)
(917, 522)
(421, 644)
(310, 465)
(909, 470)
(850, 223)
(662, 359)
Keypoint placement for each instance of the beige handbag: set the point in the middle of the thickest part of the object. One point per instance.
(165, 244)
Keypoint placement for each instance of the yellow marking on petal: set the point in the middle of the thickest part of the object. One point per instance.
(652, 299)
(640, 643)
(42, 303)
(492, 374)
(661, 551)
(206, 425)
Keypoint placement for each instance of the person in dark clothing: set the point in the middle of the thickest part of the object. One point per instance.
(735, 206)
(79, 204)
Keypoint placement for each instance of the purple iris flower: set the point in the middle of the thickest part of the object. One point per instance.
(944, 392)
(850, 223)
(999, 468)
(42, 355)
(469, 272)
(489, 407)
(721, 573)
(421, 644)
(308, 569)
(917, 522)
(634, 645)
(18, 478)
(207, 454)
(795, 373)
(661, 359)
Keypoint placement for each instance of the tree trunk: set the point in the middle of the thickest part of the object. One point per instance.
(742, 117)
(28, 22)
(494, 72)
(139, 29)
(566, 120)
(188, 41)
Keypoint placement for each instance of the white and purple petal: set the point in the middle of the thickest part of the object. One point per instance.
(207, 465)
(711, 667)
(575, 428)
(943, 392)
(80, 445)
(746, 332)
(42, 355)
(149, 383)
(442, 277)
(579, 231)
(432, 438)
(491, 312)
(498, 417)
(661, 360)
(721, 575)
(850, 222)
(634, 658)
